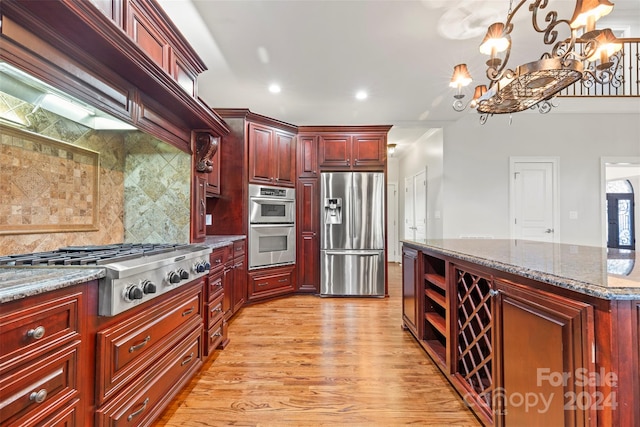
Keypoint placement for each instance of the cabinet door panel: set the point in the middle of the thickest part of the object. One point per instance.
(307, 156)
(198, 214)
(544, 343)
(260, 146)
(369, 151)
(409, 286)
(285, 160)
(335, 151)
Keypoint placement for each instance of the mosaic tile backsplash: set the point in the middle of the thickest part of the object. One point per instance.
(143, 192)
(46, 185)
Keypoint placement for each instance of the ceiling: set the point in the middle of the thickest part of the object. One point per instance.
(321, 53)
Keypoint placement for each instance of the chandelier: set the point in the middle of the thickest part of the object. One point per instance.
(589, 55)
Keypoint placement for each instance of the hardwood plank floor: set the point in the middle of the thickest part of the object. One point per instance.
(311, 361)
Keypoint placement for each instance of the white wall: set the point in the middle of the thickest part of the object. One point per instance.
(476, 168)
(426, 152)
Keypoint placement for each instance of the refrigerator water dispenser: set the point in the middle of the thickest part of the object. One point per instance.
(333, 211)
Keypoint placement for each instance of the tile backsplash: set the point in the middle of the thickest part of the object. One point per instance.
(144, 184)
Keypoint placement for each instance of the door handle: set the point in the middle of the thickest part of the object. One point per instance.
(549, 230)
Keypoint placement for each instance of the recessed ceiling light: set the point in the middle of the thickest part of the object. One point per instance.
(274, 88)
(360, 95)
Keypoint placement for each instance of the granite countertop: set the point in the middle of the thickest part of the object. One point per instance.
(22, 282)
(596, 271)
(219, 241)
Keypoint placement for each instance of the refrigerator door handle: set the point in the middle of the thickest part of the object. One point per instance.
(351, 213)
(352, 252)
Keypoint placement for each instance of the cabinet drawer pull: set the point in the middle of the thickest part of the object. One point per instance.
(36, 333)
(188, 312)
(494, 292)
(263, 284)
(139, 346)
(218, 260)
(216, 334)
(139, 411)
(38, 396)
(283, 280)
(217, 309)
(187, 360)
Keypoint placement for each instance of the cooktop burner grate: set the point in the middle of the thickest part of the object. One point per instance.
(91, 255)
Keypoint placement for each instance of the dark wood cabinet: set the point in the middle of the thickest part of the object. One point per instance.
(307, 149)
(410, 289)
(353, 151)
(144, 358)
(545, 347)
(271, 156)
(239, 275)
(199, 210)
(213, 177)
(308, 235)
(215, 323)
(43, 359)
(271, 282)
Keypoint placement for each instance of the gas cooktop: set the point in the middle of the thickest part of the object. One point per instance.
(134, 272)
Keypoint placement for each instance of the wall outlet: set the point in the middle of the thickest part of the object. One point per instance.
(573, 214)
(209, 220)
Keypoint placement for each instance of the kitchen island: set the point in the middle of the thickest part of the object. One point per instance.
(529, 332)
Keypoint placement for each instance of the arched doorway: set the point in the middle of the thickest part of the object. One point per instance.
(620, 215)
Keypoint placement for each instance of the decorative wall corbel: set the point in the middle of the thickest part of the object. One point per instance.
(206, 146)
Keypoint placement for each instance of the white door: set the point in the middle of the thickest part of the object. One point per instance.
(409, 214)
(420, 204)
(533, 213)
(392, 223)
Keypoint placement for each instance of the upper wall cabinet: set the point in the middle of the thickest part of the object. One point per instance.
(272, 155)
(363, 148)
(148, 26)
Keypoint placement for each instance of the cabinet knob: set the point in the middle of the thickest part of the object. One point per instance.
(494, 292)
(36, 333)
(38, 396)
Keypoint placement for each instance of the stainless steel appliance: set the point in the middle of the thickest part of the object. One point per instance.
(272, 232)
(352, 238)
(135, 273)
(271, 205)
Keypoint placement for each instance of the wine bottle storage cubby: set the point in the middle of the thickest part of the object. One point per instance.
(435, 306)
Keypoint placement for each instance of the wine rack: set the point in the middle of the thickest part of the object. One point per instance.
(474, 354)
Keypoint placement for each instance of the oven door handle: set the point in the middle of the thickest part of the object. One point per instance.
(267, 199)
(271, 225)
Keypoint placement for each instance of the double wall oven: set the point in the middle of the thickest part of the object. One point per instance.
(272, 229)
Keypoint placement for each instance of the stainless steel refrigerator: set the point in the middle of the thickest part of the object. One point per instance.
(352, 234)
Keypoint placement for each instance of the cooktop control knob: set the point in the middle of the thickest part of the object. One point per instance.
(183, 274)
(198, 267)
(207, 265)
(174, 277)
(148, 287)
(133, 292)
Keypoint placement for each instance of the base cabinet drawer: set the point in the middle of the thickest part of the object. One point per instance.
(31, 393)
(130, 347)
(215, 336)
(271, 282)
(37, 329)
(141, 403)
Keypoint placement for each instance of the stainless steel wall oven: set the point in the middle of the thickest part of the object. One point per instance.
(272, 236)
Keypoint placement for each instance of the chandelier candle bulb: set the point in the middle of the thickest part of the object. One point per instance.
(587, 12)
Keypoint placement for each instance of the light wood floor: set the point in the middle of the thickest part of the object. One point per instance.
(311, 361)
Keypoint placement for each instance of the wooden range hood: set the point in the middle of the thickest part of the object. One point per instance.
(124, 57)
